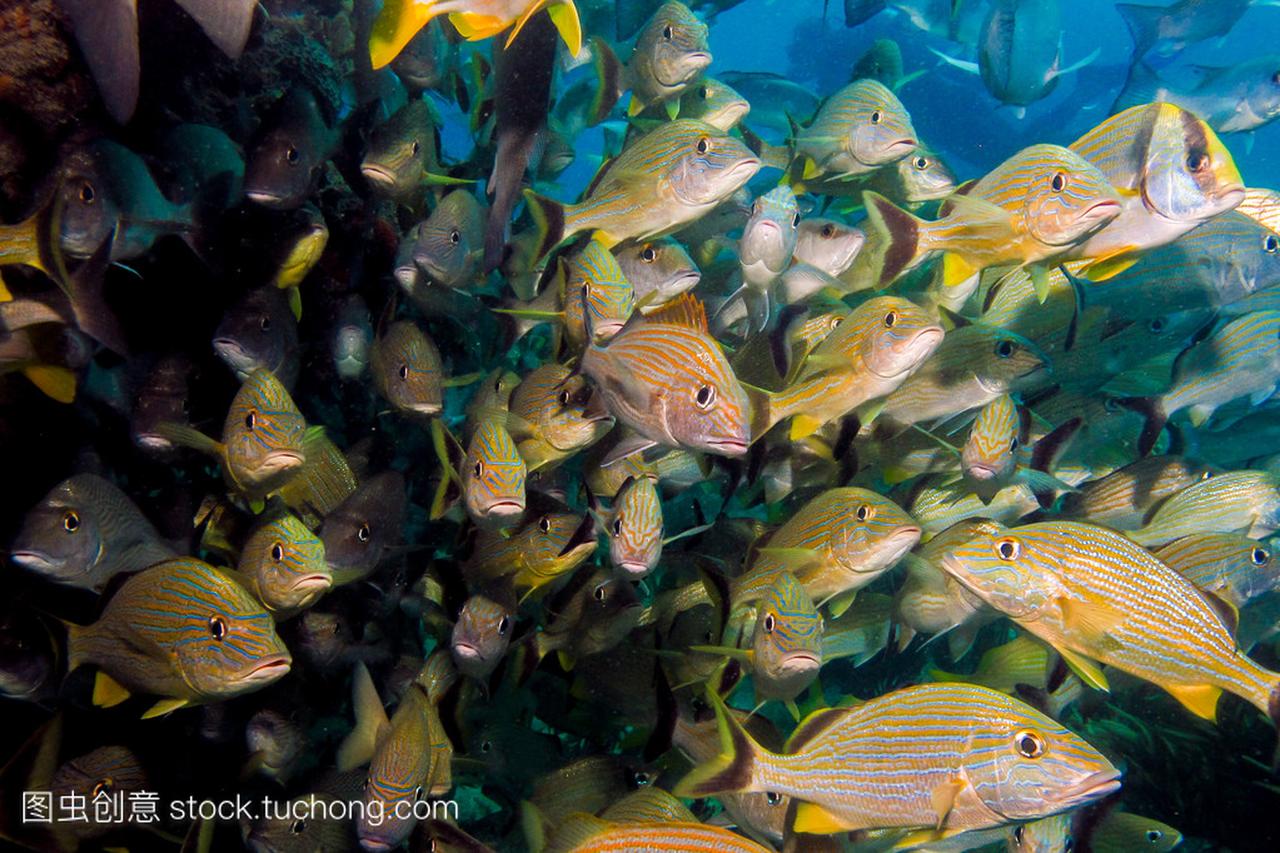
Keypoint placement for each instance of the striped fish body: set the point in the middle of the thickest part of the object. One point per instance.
(1263, 207)
(325, 481)
(634, 528)
(1239, 501)
(593, 281)
(550, 418)
(542, 550)
(284, 564)
(84, 532)
(944, 757)
(648, 805)
(451, 242)
(587, 784)
(857, 130)
(263, 437)
(930, 601)
(769, 238)
(1234, 568)
(787, 641)
(989, 455)
(936, 507)
(974, 365)
(671, 52)
(182, 630)
(667, 178)
(1022, 660)
(1124, 498)
(838, 542)
(1173, 171)
(670, 382)
(1092, 593)
(870, 354)
(493, 477)
(584, 833)
(1241, 359)
(407, 370)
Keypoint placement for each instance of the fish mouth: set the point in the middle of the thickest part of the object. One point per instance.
(897, 545)
(313, 583)
(282, 460)
(982, 472)
(504, 509)
(744, 168)
(800, 662)
(264, 197)
(428, 409)
(727, 446)
(1093, 787)
(916, 351)
(374, 844)
(634, 568)
(235, 356)
(33, 560)
(152, 441)
(271, 669)
(377, 174)
(680, 283)
(466, 651)
(1107, 208)
(906, 144)
(607, 329)
(687, 67)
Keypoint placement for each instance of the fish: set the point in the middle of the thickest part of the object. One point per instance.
(539, 552)
(594, 284)
(869, 354)
(1231, 99)
(105, 772)
(1119, 830)
(765, 250)
(1168, 30)
(918, 178)
(776, 99)
(183, 631)
(584, 832)
(664, 377)
(1181, 177)
(715, 103)
(493, 477)
(1125, 497)
(1095, 595)
(400, 20)
(946, 784)
(1263, 207)
(658, 271)
(407, 370)
(303, 249)
(662, 180)
(1030, 210)
(1245, 501)
(859, 129)
(597, 613)
(1042, 836)
(280, 832)
(550, 418)
(352, 338)
(108, 38)
(29, 656)
(450, 242)
(634, 527)
(482, 634)
(1239, 359)
(260, 332)
(1234, 568)
(284, 565)
(84, 532)
(288, 158)
(358, 532)
(670, 53)
(408, 755)
(402, 158)
(276, 744)
(428, 61)
(262, 437)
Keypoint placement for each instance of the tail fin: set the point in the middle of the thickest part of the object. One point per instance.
(371, 722)
(763, 414)
(397, 24)
(548, 220)
(893, 239)
(732, 769)
(1143, 86)
(608, 80)
(1156, 419)
(1144, 25)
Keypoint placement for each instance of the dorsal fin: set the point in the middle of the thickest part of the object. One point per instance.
(684, 310)
(811, 726)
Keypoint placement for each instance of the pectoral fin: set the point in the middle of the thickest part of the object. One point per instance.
(164, 706)
(1200, 699)
(57, 383)
(107, 692)
(956, 270)
(814, 819)
(1092, 622)
(1088, 671)
(1111, 266)
(944, 798)
(803, 426)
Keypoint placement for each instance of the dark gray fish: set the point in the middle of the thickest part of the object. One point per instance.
(163, 395)
(28, 655)
(289, 156)
(260, 331)
(358, 532)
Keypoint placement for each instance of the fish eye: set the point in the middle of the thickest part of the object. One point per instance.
(1260, 556)
(1270, 244)
(364, 533)
(1197, 161)
(704, 145)
(1018, 835)
(217, 628)
(922, 163)
(641, 778)
(617, 526)
(876, 117)
(648, 254)
(563, 397)
(265, 324)
(705, 396)
(455, 236)
(891, 319)
(1029, 743)
(478, 470)
(87, 193)
(292, 156)
(298, 827)
(415, 147)
(1154, 835)
(667, 32)
(497, 386)
(251, 420)
(865, 511)
(1008, 549)
(503, 624)
(1059, 182)
(828, 230)
(795, 220)
(1004, 349)
(704, 93)
(71, 521)
(544, 524)
(104, 786)
(600, 593)
(277, 552)
(404, 371)
(769, 623)
(1068, 845)
(486, 746)
(772, 797)
(1156, 325)
(1013, 444)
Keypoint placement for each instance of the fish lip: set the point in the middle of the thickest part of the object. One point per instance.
(1093, 787)
(152, 441)
(793, 661)
(230, 351)
(375, 173)
(33, 560)
(505, 508)
(904, 142)
(982, 471)
(728, 446)
(313, 582)
(274, 667)
(282, 460)
(374, 844)
(926, 341)
(263, 196)
(429, 409)
(607, 328)
(467, 651)
(1101, 208)
(634, 568)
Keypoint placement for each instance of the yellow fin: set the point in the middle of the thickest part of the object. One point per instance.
(1040, 282)
(956, 270)
(838, 604)
(915, 839)
(397, 24)
(566, 659)
(747, 656)
(1200, 699)
(107, 692)
(5, 294)
(164, 706)
(1092, 622)
(473, 26)
(793, 709)
(944, 798)
(895, 474)
(803, 426)
(564, 16)
(635, 107)
(371, 722)
(811, 170)
(57, 383)
(814, 819)
(1110, 266)
(295, 301)
(1089, 672)
(673, 108)
(605, 239)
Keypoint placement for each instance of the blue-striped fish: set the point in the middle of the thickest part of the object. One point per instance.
(482, 634)
(933, 760)
(1241, 359)
(1095, 595)
(183, 631)
(1124, 498)
(409, 755)
(586, 833)
(997, 452)
(658, 270)
(541, 551)
(715, 103)
(664, 377)
(868, 355)
(262, 437)
(451, 242)
(493, 477)
(403, 155)
(400, 20)
(84, 532)
(109, 772)
(633, 525)
(1263, 207)
(648, 805)
(284, 566)
(1030, 210)
(670, 53)
(407, 370)
(932, 602)
(1048, 835)
(594, 282)
(667, 178)
(1239, 501)
(1173, 173)
(1232, 567)
(550, 417)
(857, 130)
